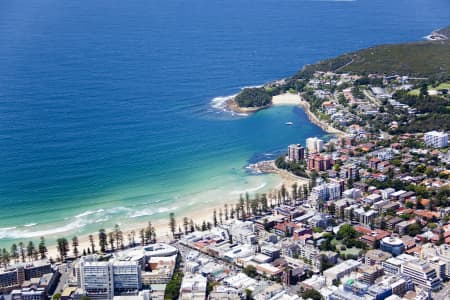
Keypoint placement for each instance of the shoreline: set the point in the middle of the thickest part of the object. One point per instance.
(268, 166)
(288, 99)
(234, 107)
(204, 211)
(314, 119)
(198, 213)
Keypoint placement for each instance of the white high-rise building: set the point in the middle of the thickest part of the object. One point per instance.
(334, 191)
(326, 192)
(422, 275)
(126, 277)
(314, 145)
(436, 139)
(96, 279)
(104, 279)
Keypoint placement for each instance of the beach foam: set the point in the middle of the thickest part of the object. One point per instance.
(220, 102)
(77, 222)
(6, 233)
(141, 213)
(250, 190)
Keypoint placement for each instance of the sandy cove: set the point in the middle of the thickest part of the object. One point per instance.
(283, 99)
(296, 99)
(288, 99)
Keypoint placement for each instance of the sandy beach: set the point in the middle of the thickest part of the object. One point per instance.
(296, 99)
(205, 213)
(197, 214)
(286, 99)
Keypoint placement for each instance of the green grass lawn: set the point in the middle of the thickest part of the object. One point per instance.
(352, 251)
(444, 85)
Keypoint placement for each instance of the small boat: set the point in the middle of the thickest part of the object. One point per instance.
(289, 123)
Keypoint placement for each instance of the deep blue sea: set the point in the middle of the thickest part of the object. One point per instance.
(106, 107)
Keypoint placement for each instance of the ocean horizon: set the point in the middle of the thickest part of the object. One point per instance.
(112, 112)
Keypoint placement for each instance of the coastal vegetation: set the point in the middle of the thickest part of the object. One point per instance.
(253, 97)
(173, 286)
(295, 167)
(422, 59)
(246, 208)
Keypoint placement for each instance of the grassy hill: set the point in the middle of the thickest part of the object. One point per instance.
(421, 59)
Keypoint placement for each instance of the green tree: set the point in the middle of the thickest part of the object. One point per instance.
(173, 286)
(75, 245)
(220, 216)
(111, 240)
(148, 233)
(30, 250)
(42, 248)
(4, 258)
(186, 225)
(311, 294)
(346, 231)
(248, 294)
(172, 223)
(424, 89)
(414, 229)
(226, 212)
(253, 97)
(102, 240)
(191, 225)
(215, 218)
(250, 271)
(294, 191)
(92, 243)
(21, 251)
(118, 235)
(14, 252)
(63, 248)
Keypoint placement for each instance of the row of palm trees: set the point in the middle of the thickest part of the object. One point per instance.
(21, 252)
(106, 241)
(110, 241)
(245, 208)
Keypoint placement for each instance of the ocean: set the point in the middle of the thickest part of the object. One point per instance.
(110, 111)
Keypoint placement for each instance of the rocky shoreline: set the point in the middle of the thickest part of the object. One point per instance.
(234, 107)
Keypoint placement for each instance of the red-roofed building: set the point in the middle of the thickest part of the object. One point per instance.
(426, 214)
(284, 229)
(362, 229)
(374, 236)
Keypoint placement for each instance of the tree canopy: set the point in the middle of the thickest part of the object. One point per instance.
(253, 97)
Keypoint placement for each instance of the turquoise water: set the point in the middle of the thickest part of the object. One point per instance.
(107, 108)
